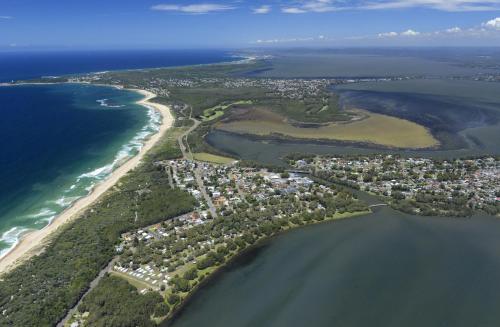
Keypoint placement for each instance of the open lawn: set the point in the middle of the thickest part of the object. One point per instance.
(218, 111)
(208, 157)
(370, 128)
(133, 281)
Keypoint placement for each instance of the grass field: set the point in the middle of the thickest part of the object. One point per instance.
(218, 111)
(133, 281)
(208, 157)
(371, 128)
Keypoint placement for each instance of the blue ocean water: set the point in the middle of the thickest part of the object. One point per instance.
(24, 65)
(58, 141)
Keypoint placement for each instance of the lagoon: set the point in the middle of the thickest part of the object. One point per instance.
(383, 269)
(464, 114)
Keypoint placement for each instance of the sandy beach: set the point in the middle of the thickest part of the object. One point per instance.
(33, 242)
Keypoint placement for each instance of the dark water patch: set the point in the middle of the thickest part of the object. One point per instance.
(243, 259)
(273, 151)
(384, 269)
(444, 116)
(25, 65)
(57, 141)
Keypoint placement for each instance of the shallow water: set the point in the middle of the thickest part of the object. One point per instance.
(465, 112)
(383, 269)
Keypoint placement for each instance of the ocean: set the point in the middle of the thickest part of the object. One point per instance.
(58, 141)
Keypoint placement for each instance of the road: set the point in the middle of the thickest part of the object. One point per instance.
(93, 284)
(187, 154)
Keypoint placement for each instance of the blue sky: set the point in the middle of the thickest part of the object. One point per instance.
(233, 24)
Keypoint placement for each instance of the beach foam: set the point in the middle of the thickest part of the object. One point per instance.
(104, 103)
(85, 182)
(44, 212)
(11, 238)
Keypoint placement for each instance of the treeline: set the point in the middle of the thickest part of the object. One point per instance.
(40, 291)
(438, 204)
(114, 302)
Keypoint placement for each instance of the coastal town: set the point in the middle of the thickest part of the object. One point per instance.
(290, 88)
(417, 185)
(237, 207)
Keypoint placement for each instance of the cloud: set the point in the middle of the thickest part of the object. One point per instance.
(6, 17)
(488, 31)
(493, 24)
(201, 8)
(455, 29)
(388, 34)
(291, 40)
(410, 32)
(292, 10)
(444, 5)
(489, 28)
(262, 10)
(319, 6)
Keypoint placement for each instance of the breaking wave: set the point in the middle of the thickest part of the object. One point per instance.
(85, 182)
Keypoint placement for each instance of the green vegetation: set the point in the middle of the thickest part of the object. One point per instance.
(218, 111)
(39, 292)
(184, 253)
(114, 302)
(208, 157)
(421, 186)
(368, 128)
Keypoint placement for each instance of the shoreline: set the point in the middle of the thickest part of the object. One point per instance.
(33, 242)
(227, 265)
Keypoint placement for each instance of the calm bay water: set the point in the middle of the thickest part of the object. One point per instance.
(384, 269)
(57, 141)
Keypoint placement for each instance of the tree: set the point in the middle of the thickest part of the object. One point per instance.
(173, 298)
(191, 274)
(161, 310)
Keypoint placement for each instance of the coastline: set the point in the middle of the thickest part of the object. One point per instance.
(32, 243)
(173, 315)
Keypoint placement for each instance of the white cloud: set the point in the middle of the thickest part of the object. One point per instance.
(445, 5)
(292, 10)
(291, 40)
(262, 10)
(388, 34)
(452, 30)
(489, 30)
(493, 24)
(318, 6)
(6, 17)
(201, 8)
(410, 32)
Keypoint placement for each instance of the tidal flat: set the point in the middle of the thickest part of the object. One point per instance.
(462, 115)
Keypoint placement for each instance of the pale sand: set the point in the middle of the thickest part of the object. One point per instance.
(33, 242)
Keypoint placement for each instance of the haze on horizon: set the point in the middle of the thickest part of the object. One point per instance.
(93, 24)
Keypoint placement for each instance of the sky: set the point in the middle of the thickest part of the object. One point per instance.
(108, 24)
